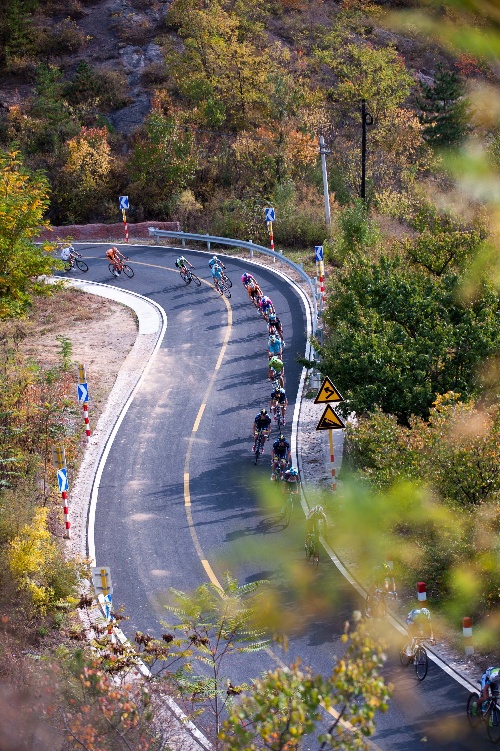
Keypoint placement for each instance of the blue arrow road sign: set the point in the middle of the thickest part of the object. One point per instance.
(83, 393)
(62, 479)
(270, 216)
(318, 251)
(124, 202)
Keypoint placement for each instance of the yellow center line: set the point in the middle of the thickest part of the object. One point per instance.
(187, 496)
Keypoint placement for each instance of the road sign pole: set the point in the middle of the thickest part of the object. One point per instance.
(59, 462)
(83, 381)
(125, 224)
(332, 459)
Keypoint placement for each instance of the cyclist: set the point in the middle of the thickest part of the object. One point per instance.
(281, 450)
(316, 517)
(66, 252)
(419, 624)
(278, 400)
(291, 477)
(275, 326)
(116, 258)
(262, 422)
(274, 346)
(214, 260)
(216, 272)
(183, 264)
(276, 369)
(266, 306)
(490, 682)
(253, 289)
(381, 580)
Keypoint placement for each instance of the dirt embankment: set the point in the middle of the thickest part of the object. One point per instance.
(104, 232)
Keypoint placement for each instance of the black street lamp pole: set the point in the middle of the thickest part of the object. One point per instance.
(366, 119)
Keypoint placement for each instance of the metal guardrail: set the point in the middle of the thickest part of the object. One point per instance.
(209, 239)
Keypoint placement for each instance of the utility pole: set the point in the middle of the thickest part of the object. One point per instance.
(366, 119)
(324, 151)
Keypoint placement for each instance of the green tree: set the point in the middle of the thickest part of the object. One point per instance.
(217, 624)
(163, 159)
(23, 202)
(443, 109)
(397, 337)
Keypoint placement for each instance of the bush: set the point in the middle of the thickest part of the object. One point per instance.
(355, 232)
(65, 38)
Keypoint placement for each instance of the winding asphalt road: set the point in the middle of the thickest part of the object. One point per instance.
(180, 499)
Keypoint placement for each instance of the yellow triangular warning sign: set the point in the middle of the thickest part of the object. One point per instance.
(329, 420)
(328, 393)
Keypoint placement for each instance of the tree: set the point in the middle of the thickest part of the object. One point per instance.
(443, 109)
(163, 160)
(397, 337)
(284, 706)
(23, 202)
(217, 624)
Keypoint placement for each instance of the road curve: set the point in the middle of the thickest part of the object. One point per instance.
(178, 499)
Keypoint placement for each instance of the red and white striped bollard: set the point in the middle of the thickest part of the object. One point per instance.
(467, 632)
(421, 591)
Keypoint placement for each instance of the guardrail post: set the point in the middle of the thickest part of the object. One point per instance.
(251, 250)
(208, 244)
(183, 242)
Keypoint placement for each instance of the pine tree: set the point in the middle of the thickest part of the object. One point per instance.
(444, 109)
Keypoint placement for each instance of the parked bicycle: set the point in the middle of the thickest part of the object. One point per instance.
(415, 653)
(119, 267)
(489, 714)
(188, 276)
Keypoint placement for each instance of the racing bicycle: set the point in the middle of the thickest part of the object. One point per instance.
(222, 288)
(188, 276)
(227, 281)
(75, 260)
(290, 489)
(259, 444)
(312, 546)
(415, 652)
(119, 266)
(489, 713)
(376, 602)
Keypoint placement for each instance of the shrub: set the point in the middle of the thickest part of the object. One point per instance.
(355, 232)
(65, 38)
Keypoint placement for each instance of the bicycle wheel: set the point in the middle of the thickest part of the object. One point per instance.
(258, 445)
(404, 657)
(227, 281)
(287, 510)
(421, 663)
(196, 280)
(493, 722)
(128, 271)
(225, 290)
(81, 265)
(474, 719)
(111, 269)
(279, 419)
(185, 276)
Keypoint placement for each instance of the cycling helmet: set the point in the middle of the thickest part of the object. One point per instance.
(214, 258)
(265, 300)
(293, 471)
(425, 612)
(272, 338)
(263, 411)
(281, 438)
(282, 390)
(246, 277)
(272, 316)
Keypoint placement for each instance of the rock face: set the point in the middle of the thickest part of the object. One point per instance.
(104, 232)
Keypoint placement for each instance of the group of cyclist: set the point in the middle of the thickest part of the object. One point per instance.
(115, 257)
(281, 462)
